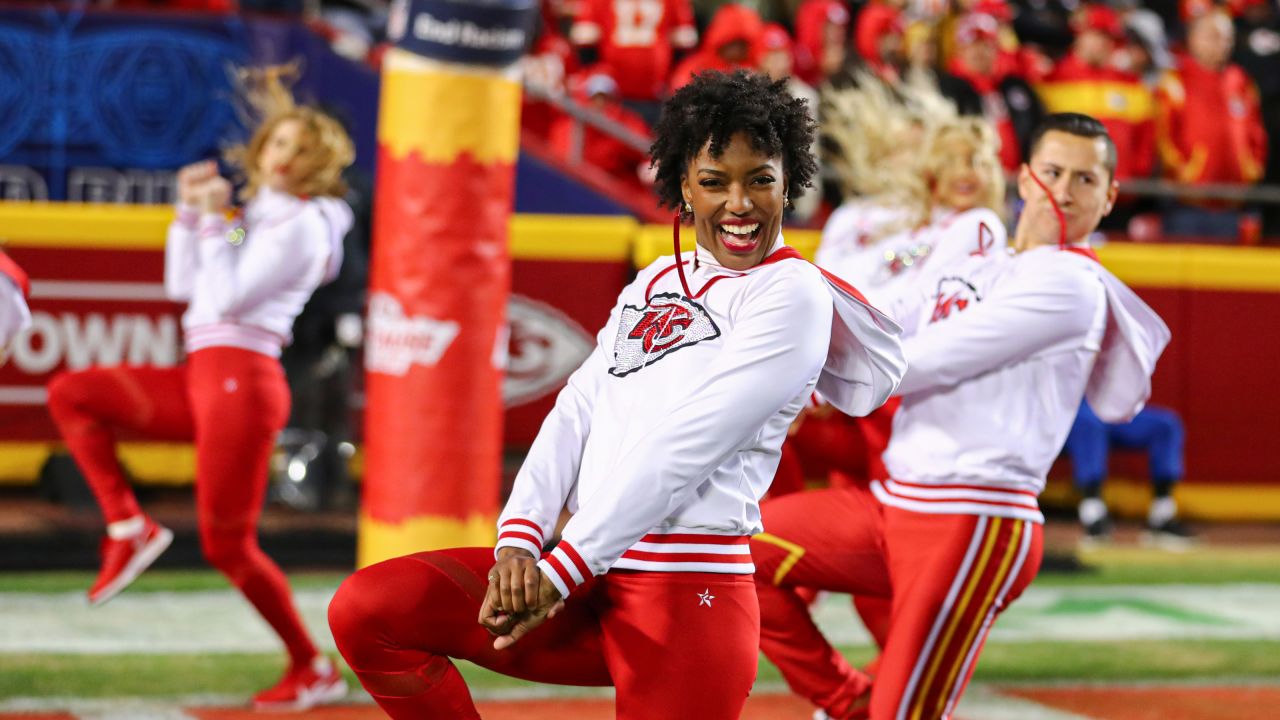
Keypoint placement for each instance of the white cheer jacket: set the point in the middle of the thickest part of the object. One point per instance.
(15, 316)
(999, 357)
(666, 437)
(887, 267)
(247, 281)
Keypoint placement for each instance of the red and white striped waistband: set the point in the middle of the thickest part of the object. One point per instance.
(656, 552)
(689, 552)
(246, 337)
(959, 499)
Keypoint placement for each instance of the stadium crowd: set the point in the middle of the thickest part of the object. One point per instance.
(1183, 88)
(1186, 88)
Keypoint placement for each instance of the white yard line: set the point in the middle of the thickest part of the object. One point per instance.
(1083, 613)
(984, 703)
(106, 708)
(222, 622)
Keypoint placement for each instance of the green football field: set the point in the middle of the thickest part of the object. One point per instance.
(1133, 616)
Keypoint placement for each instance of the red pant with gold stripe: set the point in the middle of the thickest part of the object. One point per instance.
(948, 577)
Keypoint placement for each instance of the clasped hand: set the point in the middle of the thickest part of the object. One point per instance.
(518, 599)
(200, 186)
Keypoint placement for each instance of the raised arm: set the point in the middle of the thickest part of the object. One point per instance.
(181, 260)
(1053, 302)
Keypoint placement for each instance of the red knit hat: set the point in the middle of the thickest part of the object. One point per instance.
(1099, 18)
(775, 37)
(977, 26)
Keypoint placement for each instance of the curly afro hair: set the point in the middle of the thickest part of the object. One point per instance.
(716, 106)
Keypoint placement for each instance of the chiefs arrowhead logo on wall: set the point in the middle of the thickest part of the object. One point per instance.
(648, 334)
(545, 347)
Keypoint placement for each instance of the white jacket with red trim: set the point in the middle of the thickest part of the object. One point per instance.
(999, 356)
(15, 287)
(664, 440)
(247, 281)
(886, 268)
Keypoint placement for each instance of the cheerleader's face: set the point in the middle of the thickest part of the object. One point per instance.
(279, 163)
(1078, 172)
(737, 201)
(959, 177)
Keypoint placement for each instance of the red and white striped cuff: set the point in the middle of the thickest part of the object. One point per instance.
(212, 225)
(565, 568)
(521, 533)
(187, 216)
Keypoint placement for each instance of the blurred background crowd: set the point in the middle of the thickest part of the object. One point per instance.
(1188, 88)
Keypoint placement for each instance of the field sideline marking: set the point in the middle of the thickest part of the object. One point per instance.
(219, 621)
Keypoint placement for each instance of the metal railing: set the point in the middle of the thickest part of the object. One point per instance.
(584, 116)
(1269, 194)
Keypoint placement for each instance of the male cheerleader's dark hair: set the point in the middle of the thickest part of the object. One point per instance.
(716, 106)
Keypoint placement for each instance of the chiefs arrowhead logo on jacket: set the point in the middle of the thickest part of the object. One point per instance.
(648, 334)
(953, 294)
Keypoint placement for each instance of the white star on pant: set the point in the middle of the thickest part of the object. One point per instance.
(705, 597)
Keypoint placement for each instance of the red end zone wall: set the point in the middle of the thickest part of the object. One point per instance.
(97, 276)
(1223, 307)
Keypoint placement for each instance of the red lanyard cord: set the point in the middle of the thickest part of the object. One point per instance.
(675, 242)
(1062, 219)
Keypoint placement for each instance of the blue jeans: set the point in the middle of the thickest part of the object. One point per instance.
(1157, 430)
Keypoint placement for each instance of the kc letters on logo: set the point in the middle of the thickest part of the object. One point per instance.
(953, 294)
(648, 334)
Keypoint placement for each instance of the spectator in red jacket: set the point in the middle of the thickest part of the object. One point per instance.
(732, 41)
(878, 39)
(1086, 81)
(1210, 125)
(1258, 52)
(821, 29)
(777, 60)
(549, 61)
(637, 39)
(598, 89)
(1008, 102)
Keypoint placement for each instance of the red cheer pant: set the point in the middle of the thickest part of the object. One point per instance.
(846, 451)
(947, 578)
(675, 645)
(232, 403)
(841, 449)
